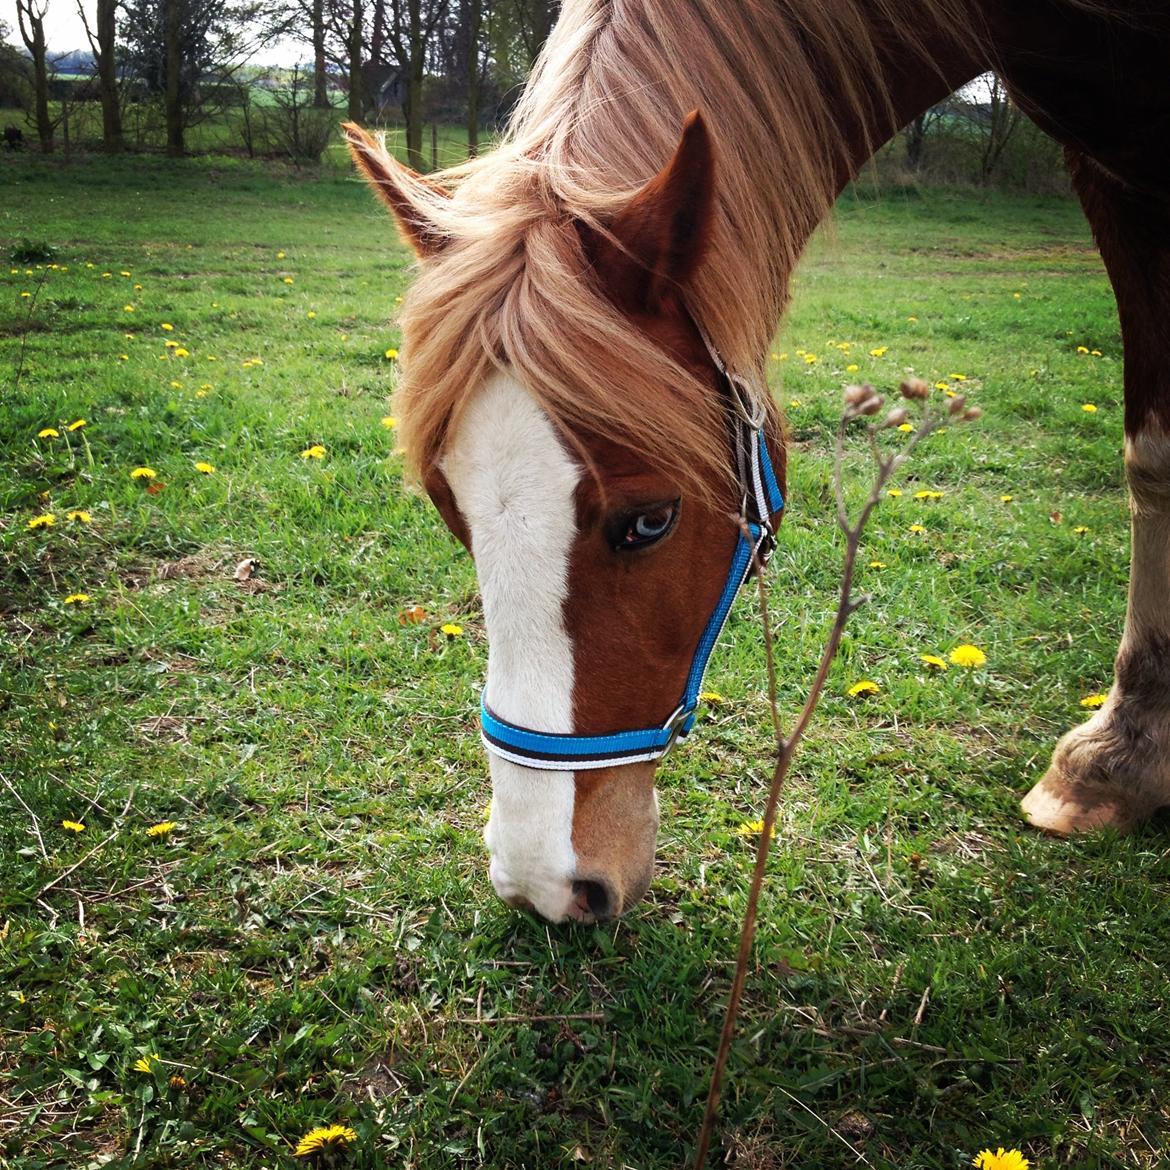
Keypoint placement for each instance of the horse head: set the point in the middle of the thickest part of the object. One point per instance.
(613, 482)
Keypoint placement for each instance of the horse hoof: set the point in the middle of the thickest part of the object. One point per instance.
(1060, 805)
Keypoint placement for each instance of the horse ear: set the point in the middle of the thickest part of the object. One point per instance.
(405, 192)
(660, 238)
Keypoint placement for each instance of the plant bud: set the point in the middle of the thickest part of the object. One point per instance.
(957, 404)
(972, 414)
(871, 405)
(897, 416)
(914, 388)
(856, 395)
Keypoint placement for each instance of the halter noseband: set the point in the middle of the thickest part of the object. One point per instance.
(761, 500)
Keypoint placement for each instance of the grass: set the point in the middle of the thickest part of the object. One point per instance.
(316, 942)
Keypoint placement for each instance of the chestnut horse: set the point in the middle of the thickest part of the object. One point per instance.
(583, 387)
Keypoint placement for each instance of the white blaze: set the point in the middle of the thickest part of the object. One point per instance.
(514, 484)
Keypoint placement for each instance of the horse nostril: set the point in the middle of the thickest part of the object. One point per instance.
(593, 897)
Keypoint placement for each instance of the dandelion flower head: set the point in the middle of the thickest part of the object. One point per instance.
(753, 829)
(48, 433)
(1001, 1160)
(967, 655)
(324, 1137)
(45, 520)
(143, 473)
(865, 687)
(73, 826)
(316, 451)
(451, 629)
(1093, 700)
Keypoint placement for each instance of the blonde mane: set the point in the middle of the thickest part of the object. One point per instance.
(600, 116)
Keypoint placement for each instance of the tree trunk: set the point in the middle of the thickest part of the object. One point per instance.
(915, 140)
(320, 89)
(107, 67)
(474, 24)
(414, 82)
(34, 40)
(357, 89)
(173, 56)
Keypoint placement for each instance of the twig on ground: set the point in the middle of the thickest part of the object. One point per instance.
(860, 401)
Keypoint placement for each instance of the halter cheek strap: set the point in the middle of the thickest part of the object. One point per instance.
(761, 501)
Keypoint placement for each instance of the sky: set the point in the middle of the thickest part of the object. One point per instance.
(64, 32)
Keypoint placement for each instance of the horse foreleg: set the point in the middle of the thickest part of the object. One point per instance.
(1114, 770)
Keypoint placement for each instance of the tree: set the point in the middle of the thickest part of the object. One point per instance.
(103, 44)
(30, 15)
(185, 52)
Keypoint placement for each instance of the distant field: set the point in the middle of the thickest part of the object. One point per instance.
(316, 941)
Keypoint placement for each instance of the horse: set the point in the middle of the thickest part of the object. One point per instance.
(583, 396)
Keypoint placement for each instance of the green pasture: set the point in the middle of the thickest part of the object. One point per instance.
(316, 942)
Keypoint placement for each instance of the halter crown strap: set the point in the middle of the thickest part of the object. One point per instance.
(762, 500)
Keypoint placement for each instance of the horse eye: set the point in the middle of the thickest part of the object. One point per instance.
(647, 527)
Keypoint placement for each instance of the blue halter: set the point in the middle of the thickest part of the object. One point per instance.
(762, 500)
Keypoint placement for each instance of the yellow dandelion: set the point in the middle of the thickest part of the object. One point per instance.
(1001, 1160)
(143, 473)
(80, 515)
(205, 468)
(894, 493)
(811, 359)
(138, 288)
(178, 1081)
(852, 368)
(48, 433)
(167, 327)
(794, 404)
(123, 357)
(44, 520)
(1006, 499)
(162, 829)
(127, 308)
(753, 829)
(145, 1064)
(865, 687)
(107, 276)
(77, 599)
(912, 319)
(877, 564)
(879, 351)
(1096, 353)
(1089, 407)
(76, 424)
(1081, 529)
(205, 386)
(391, 353)
(1016, 296)
(73, 826)
(967, 655)
(176, 385)
(168, 344)
(942, 386)
(1093, 700)
(26, 294)
(917, 528)
(180, 352)
(712, 697)
(123, 273)
(934, 661)
(398, 300)
(926, 494)
(905, 427)
(288, 280)
(324, 1137)
(316, 451)
(389, 422)
(451, 629)
(957, 377)
(311, 314)
(1082, 349)
(280, 255)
